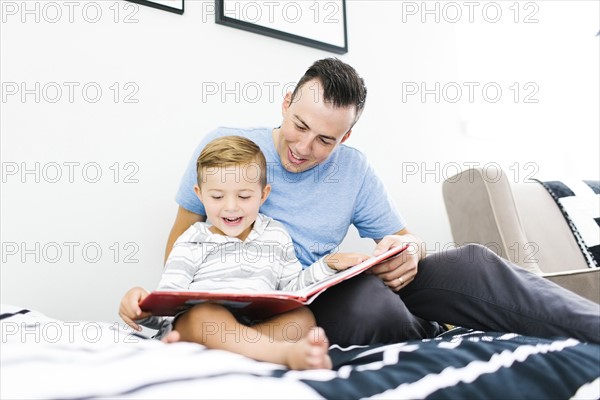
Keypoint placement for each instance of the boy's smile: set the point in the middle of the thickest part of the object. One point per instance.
(232, 221)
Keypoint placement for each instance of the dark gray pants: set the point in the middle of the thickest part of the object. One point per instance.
(469, 287)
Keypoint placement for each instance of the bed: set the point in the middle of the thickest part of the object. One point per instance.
(42, 357)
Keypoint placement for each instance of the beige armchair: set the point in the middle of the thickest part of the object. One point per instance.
(519, 222)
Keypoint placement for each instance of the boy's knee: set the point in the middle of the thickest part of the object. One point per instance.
(200, 314)
(205, 309)
(201, 323)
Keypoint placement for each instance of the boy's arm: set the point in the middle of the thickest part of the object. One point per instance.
(183, 221)
(178, 275)
(181, 266)
(293, 277)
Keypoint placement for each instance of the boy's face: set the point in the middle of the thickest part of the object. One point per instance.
(232, 196)
(311, 128)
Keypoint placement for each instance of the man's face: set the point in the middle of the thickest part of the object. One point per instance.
(311, 128)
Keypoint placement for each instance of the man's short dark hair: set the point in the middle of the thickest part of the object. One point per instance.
(342, 85)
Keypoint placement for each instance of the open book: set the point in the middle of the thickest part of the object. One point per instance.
(256, 305)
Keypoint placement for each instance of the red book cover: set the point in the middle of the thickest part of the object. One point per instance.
(256, 305)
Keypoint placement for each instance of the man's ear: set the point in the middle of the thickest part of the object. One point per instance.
(346, 136)
(287, 101)
(198, 192)
(265, 194)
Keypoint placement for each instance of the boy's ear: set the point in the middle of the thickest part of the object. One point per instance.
(198, 192)
(265, 193)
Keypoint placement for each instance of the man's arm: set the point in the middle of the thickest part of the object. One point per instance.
(399, 271)
(183, 220)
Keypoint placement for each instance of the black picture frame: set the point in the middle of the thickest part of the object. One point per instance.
(160, 6)
(222, 19)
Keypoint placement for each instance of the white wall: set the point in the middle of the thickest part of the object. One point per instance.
(170, 60)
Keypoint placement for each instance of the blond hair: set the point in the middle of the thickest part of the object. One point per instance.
(232, 150)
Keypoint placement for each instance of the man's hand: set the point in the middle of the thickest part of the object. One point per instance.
(342, 261)
(130, 310)
(399, 271)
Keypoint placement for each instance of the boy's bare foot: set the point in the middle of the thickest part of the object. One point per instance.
(171, 337)
(310, 352)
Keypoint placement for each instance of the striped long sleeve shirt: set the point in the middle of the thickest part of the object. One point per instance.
(266, 260)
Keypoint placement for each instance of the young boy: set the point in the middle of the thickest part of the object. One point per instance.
(241, 250)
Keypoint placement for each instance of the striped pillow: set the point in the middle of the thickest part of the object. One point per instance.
(579, 202)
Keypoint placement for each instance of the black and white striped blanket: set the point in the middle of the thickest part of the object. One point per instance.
(46, 358)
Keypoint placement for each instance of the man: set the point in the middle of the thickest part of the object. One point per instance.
(320, 187)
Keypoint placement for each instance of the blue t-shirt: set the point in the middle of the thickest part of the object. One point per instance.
(316, 206)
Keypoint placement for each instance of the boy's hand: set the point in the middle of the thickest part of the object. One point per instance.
(130, 310)
(342, 261)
